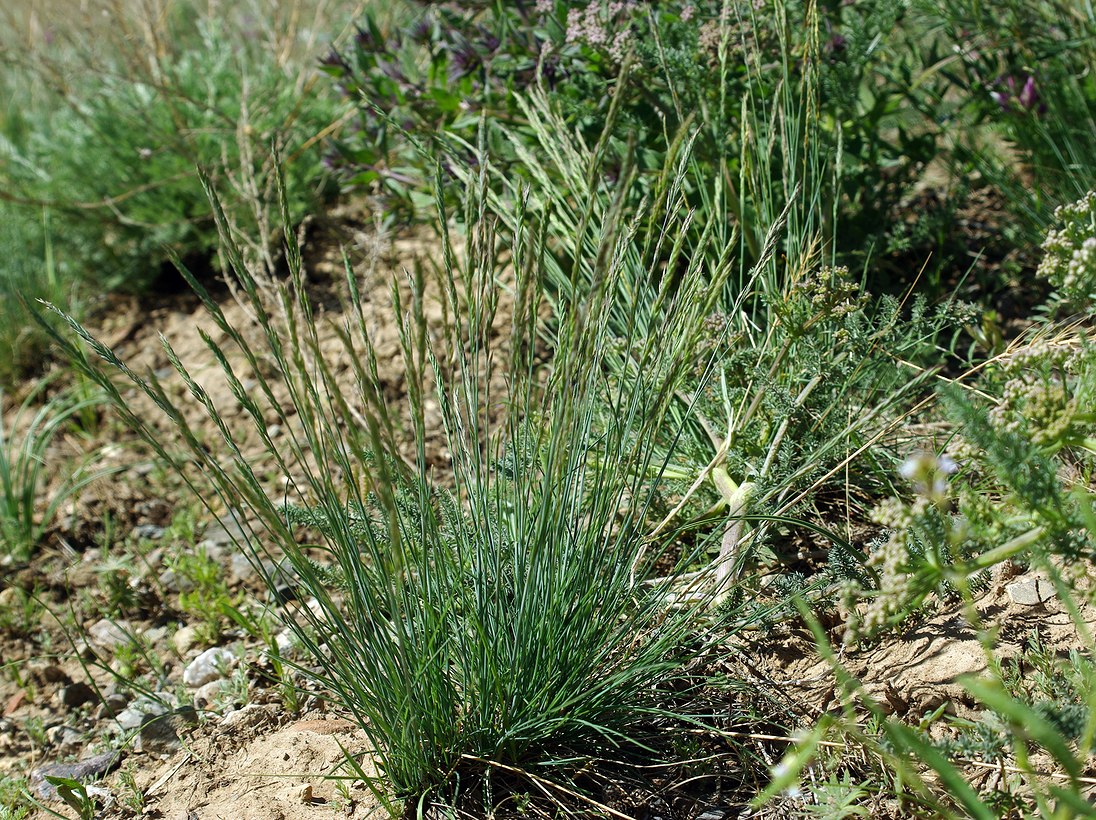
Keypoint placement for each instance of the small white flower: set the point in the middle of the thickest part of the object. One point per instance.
(912, 467)
(781, 769)
(928, 473)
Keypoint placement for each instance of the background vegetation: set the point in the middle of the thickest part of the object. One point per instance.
(752, 314)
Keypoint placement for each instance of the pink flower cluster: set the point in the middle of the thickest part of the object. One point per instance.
(601, 24)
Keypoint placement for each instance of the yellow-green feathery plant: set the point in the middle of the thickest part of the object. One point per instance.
(1013, 492)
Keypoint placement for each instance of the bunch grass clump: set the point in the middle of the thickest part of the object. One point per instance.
(500, 620)
(810, 376)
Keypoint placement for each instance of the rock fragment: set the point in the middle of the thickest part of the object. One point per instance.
(208, 694)
(81, 771)
(249, 717)
(76, 695)
(158, 735)
(185, 639)
(112, 705)
(1030, 591)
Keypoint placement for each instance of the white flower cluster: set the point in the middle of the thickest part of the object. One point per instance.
(1070, 260)
(1039, 398)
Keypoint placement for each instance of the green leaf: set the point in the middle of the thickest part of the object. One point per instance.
(74, 793)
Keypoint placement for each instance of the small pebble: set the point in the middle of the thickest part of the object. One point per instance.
(65, 738)
(9, 596)
(148, 532)
(225, 531)
(76, 695)
(250, 716)
(113, 705)
(185, 639)
(154, 635)
(158, 735)
(173, 582)
(109, 634)
(240, 568)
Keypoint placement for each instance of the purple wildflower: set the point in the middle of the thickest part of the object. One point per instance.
(422, 30)
(1026, 99)
(463, 60)
(489, 42)
(1029, 96)
(550, 70)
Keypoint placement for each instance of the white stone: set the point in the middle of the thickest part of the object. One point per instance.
(211, 665)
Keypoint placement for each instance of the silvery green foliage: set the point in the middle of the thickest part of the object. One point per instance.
(1070, 261)
(496, 621)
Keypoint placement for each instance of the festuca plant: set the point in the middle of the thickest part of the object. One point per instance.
(502, 620)
(809, 375)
